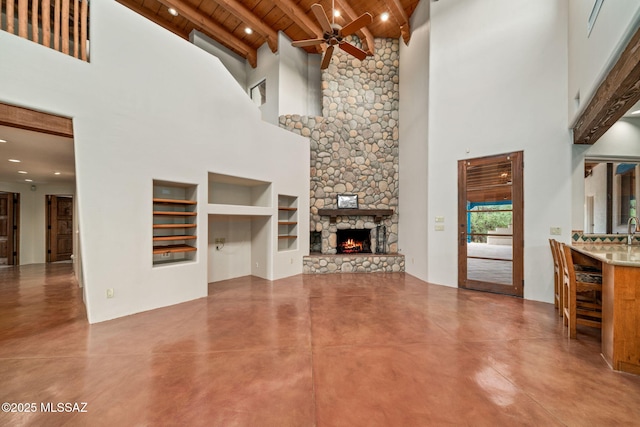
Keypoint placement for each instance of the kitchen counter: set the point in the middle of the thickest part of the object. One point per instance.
(620, 301)
(616, 254)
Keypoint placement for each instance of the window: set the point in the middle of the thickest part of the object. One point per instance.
(258, 93)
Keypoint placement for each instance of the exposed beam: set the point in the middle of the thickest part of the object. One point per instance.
(25, 118)
(619, 91)
(295, 13)
(364, 33)
(214, 29)
(153, 17)
(241, 12)
(401, 17)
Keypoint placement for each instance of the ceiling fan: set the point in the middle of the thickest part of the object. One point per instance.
(334, 34)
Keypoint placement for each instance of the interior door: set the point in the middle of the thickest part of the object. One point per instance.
(59, 228)
(490, 219)
(8, 229)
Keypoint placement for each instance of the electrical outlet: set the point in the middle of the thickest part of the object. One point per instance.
(555, 231)
(110, 293)
(257, 265)
(219, 240)
(291, 260)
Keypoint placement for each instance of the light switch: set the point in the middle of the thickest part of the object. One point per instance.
(439, 219)
(555, 231)
(440, 227)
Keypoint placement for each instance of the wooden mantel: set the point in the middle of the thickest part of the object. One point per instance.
(377, 213)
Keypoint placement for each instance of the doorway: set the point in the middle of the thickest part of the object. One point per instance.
(59, 228)
(9, 230)
(491, 224)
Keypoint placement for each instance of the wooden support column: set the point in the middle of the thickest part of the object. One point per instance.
(241, 12)
(364, 33)
(397, 11)
(298, 16)
(25, 118)
(203, 21)
(619, 91)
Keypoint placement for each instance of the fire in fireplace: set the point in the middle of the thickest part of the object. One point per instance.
(354, 241)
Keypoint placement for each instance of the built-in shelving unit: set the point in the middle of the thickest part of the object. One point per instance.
(174, 222)
(287, 222)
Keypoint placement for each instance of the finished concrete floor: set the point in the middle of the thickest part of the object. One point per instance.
(314, 350)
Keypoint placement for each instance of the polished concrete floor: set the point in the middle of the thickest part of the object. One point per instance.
(332, 350)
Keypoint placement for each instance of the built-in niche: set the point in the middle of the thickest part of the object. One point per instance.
(239, 227)
(174, 222)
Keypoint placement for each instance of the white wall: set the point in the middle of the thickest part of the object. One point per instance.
(147, 107)
(33, 216)
(234, 63)
(233, 259)
(267, 69)
(498, 84)
(591, 56)
(414, 129)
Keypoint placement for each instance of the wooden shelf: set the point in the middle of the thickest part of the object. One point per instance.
(377, 213)
(174, 222)
(168, 238)
(175, 213)
(287, 236)
(285, 208)
(174, 225)
(175, 201)
(287, 222)
(172, 249)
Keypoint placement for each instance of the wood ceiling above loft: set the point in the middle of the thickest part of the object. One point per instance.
(225, 20)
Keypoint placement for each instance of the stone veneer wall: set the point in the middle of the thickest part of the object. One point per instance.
(354, 144)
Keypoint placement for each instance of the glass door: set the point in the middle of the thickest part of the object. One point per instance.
(490, 217)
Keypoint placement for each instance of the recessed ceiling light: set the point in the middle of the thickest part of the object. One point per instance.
(384, 17)
(14, 160)
(336, 13)
(248, 30)
(22, 171)
(173, 12)
(2, 141)
(56, 173)
(29, 180)
(635, 112)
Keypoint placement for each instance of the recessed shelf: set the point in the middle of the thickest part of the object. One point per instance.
(287, 222)
(169, 238)
(173, 249)
(174, 222)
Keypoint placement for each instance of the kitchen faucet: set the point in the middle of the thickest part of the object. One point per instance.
(631, 233)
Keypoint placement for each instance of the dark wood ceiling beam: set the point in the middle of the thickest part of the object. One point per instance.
(401, 17)
(213, 29)
(297, 15)
(25, 118)
(245, 15)
(619, 91)
(153, 17)
(364, 33)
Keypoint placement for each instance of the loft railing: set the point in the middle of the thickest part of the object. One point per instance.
(62, 25)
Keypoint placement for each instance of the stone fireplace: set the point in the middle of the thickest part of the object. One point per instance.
(354, 150)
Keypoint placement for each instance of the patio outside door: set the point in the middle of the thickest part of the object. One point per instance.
(490, 220)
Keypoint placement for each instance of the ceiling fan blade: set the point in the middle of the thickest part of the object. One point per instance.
(304, 43)
(352, 50)
(318, 11)
(353, 26)
(326, 59)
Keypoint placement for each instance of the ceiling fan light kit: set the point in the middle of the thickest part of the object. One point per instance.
(334, 34)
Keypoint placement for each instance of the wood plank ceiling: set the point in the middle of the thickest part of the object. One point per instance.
(226, 20)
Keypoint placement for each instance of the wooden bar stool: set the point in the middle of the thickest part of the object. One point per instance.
(581, 294)
(557, 275)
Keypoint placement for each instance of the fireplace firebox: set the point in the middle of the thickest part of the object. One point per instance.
(353, 241)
